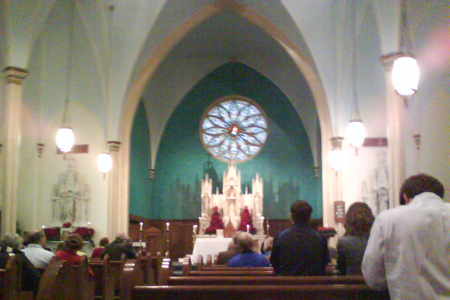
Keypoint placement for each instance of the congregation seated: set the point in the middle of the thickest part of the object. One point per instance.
(233, 249)
(247, 257)
(351, 246)
(10, 244)
(97, 252)
(35, 251)
(121, 245)
(300, 250)
(71, 250)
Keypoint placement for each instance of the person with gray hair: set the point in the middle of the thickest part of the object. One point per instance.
(35, 251)
(121, 245)
(10, 244)
(233, 249)
(247, 258)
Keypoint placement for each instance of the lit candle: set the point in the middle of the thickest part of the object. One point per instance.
(141, 224)
(43, 226)
(248, 228)
(167, 226)
(194, 228)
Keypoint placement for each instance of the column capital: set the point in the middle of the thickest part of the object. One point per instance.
(15, 75)
(114, 146)
(387, 60)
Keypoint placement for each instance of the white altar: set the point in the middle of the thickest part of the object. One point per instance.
(209, 246)
(232, 201)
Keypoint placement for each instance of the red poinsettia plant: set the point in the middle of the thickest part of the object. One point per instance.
(67, 225)
(216, 222)
(52, 233)
(86, 232)
(246, 219)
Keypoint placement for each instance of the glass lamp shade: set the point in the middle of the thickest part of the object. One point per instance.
(65, 139)
(104, 162)
(405, 75)
(356, 133)
(336, 159)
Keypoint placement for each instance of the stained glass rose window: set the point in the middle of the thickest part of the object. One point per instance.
(233, 128)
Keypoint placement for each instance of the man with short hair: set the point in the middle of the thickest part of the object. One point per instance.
(35, 251)
(233, 249)
(247, 258)
(121, 245)
(300, 250)
(409, 246)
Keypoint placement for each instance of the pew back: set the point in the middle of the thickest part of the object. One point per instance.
(265, 280)
(258, 292)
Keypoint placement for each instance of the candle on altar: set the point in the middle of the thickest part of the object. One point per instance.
(248, 228)
(141, 224)
(194, 228)
(167, 226)
(43, 226)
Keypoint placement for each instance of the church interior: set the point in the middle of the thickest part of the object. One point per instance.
(157, 85)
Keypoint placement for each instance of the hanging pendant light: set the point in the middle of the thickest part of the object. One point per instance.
(405, 70)
(65, 138)
(356, 132)
(405, 75)
(336, 156)
(104, 162)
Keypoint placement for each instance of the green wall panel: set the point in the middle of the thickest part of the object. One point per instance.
(140, 183)
(285, 163)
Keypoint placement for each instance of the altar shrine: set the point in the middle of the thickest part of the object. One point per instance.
(232, 202)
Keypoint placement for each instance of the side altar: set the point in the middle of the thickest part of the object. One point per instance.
(232, 202)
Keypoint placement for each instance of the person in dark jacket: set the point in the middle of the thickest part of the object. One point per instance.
(122, 244)
(300, 250)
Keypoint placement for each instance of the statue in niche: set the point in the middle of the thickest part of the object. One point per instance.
(69, 200)
(381, 185)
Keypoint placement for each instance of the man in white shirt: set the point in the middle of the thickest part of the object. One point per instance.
(35, 251)
(409, 246)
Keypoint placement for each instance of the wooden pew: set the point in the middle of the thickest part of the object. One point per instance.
(259, 292)
(54, 280)
(165, 271)
(11, 281)
(148, 264)
(265, 280)
(232, 273)
(225, 268)
(61, 280)
(108, 277)
(132, 276)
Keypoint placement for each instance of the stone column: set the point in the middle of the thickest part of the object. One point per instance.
(395, 120)
(15, 78)
(117, 204)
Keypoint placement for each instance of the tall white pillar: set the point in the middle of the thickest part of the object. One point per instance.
(15, 78)
(395, 115)
(117, 201)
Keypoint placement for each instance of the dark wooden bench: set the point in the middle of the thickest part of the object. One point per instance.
(11, 282)
(258, 292)
(64, 281)
(107, 276)
(231, 273)
(265, 280)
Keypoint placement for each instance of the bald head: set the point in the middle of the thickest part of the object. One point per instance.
(245, 241)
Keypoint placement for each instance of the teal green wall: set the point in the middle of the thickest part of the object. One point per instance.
(285, 162)
(140, 183)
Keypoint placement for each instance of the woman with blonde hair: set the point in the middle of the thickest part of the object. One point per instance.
(351, 246)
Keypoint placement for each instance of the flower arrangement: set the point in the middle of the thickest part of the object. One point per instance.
(52, 233)
(67, 225)
(326, 231)
(246, 219)
(86, 232)
(216, 222)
